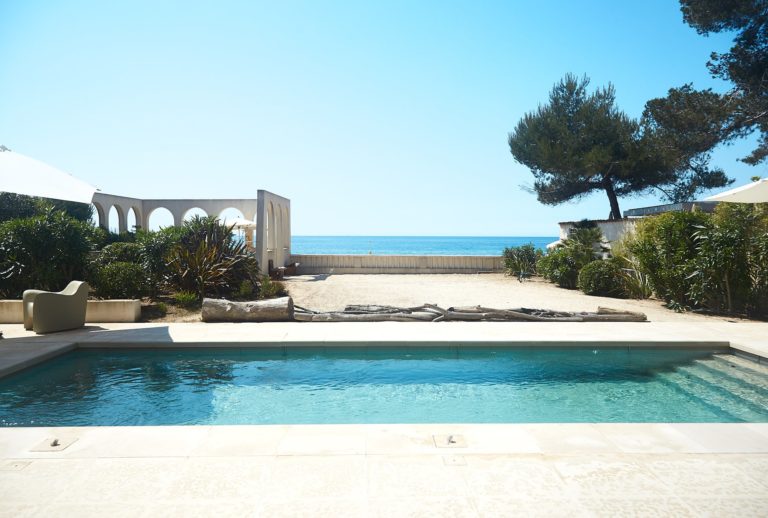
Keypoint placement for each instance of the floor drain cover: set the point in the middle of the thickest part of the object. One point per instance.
(454, 460)
(15, 465)
(54, 444)
(449, 441)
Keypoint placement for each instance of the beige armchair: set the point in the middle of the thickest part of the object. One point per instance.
(47, 312)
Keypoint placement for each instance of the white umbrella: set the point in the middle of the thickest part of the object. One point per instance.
(23, 175)
(755, 192)
(239, 223)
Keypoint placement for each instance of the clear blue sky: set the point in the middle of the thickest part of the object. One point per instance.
(374, 118)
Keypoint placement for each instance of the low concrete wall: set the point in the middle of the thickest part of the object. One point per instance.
(118, 310)
(340, 264)
(11, 312)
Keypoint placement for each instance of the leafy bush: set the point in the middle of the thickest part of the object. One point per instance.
(246, 291)
(562, 265)
(665, 248)
(269, 289)
(43, 252)
(731, 265)
(636, 281)
(19, 206)
(154, 249)
(209, 260)
(521, 259)
(119, 252)
(604, 278)
(120, 280)
(186, 299)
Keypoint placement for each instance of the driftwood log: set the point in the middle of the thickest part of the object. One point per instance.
(434, 313)
(271, 310)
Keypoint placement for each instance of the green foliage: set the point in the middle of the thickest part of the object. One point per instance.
(685, 126)
(42, 252)
(17, 206)
(246, 291)
(562, 266)
(577, 143)
(269, 289)
(603, 278)
(636, 281)
(731, 265)
(119, 252)
(521, 259)
(120, 280)
(665, 247)
(162, 308)
(155, 247)
(581, 247)
(744, 65)
(186, 299)
(209, 260)
(580, 142)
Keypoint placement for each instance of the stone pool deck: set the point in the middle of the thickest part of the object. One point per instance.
(385, 470)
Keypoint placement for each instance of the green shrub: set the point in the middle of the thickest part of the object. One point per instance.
(269, 289)
(636, 281)
(665, 248)
(122, 252)
(563, 264)
(44, 252)
(603, 278)
(120, 280)
(246, 291)
(521, 259)
(186, 299)
(209, 260)
(154, 249)
(731, 265)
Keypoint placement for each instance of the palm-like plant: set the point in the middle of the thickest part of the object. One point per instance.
(209, 260)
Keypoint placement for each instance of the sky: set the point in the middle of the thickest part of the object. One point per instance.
(373, 118)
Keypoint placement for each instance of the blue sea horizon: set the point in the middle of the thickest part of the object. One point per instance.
(412, 245)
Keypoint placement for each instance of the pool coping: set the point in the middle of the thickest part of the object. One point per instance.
(174, 469)
(22, 349)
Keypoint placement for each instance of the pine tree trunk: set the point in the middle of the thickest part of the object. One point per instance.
(614, 201)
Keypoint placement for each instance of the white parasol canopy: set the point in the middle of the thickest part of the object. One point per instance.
(239, 223)
(20, 174)
(755, 192)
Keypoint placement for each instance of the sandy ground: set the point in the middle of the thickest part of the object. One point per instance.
(333, 292)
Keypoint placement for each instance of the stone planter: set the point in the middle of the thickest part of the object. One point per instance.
(98, 311)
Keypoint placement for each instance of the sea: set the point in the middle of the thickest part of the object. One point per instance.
(412, 245)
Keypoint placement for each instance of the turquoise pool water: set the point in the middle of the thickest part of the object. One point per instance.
(384, 385)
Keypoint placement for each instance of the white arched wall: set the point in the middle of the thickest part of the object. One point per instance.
(163, 218)
(101, 219)
(192, 212)
(278, 222)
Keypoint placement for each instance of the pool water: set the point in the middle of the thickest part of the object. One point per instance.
(279, 385)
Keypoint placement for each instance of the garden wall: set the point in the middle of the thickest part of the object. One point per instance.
(371, 264)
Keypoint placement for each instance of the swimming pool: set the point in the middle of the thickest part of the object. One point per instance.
(407, 384)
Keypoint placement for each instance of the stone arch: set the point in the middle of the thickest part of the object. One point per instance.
(131, 220)
(161, 216)
(270, 226)
(192, 212)
(285, 231)
(119, 225)
(137, 218)
(99, 213)
(230, 213)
